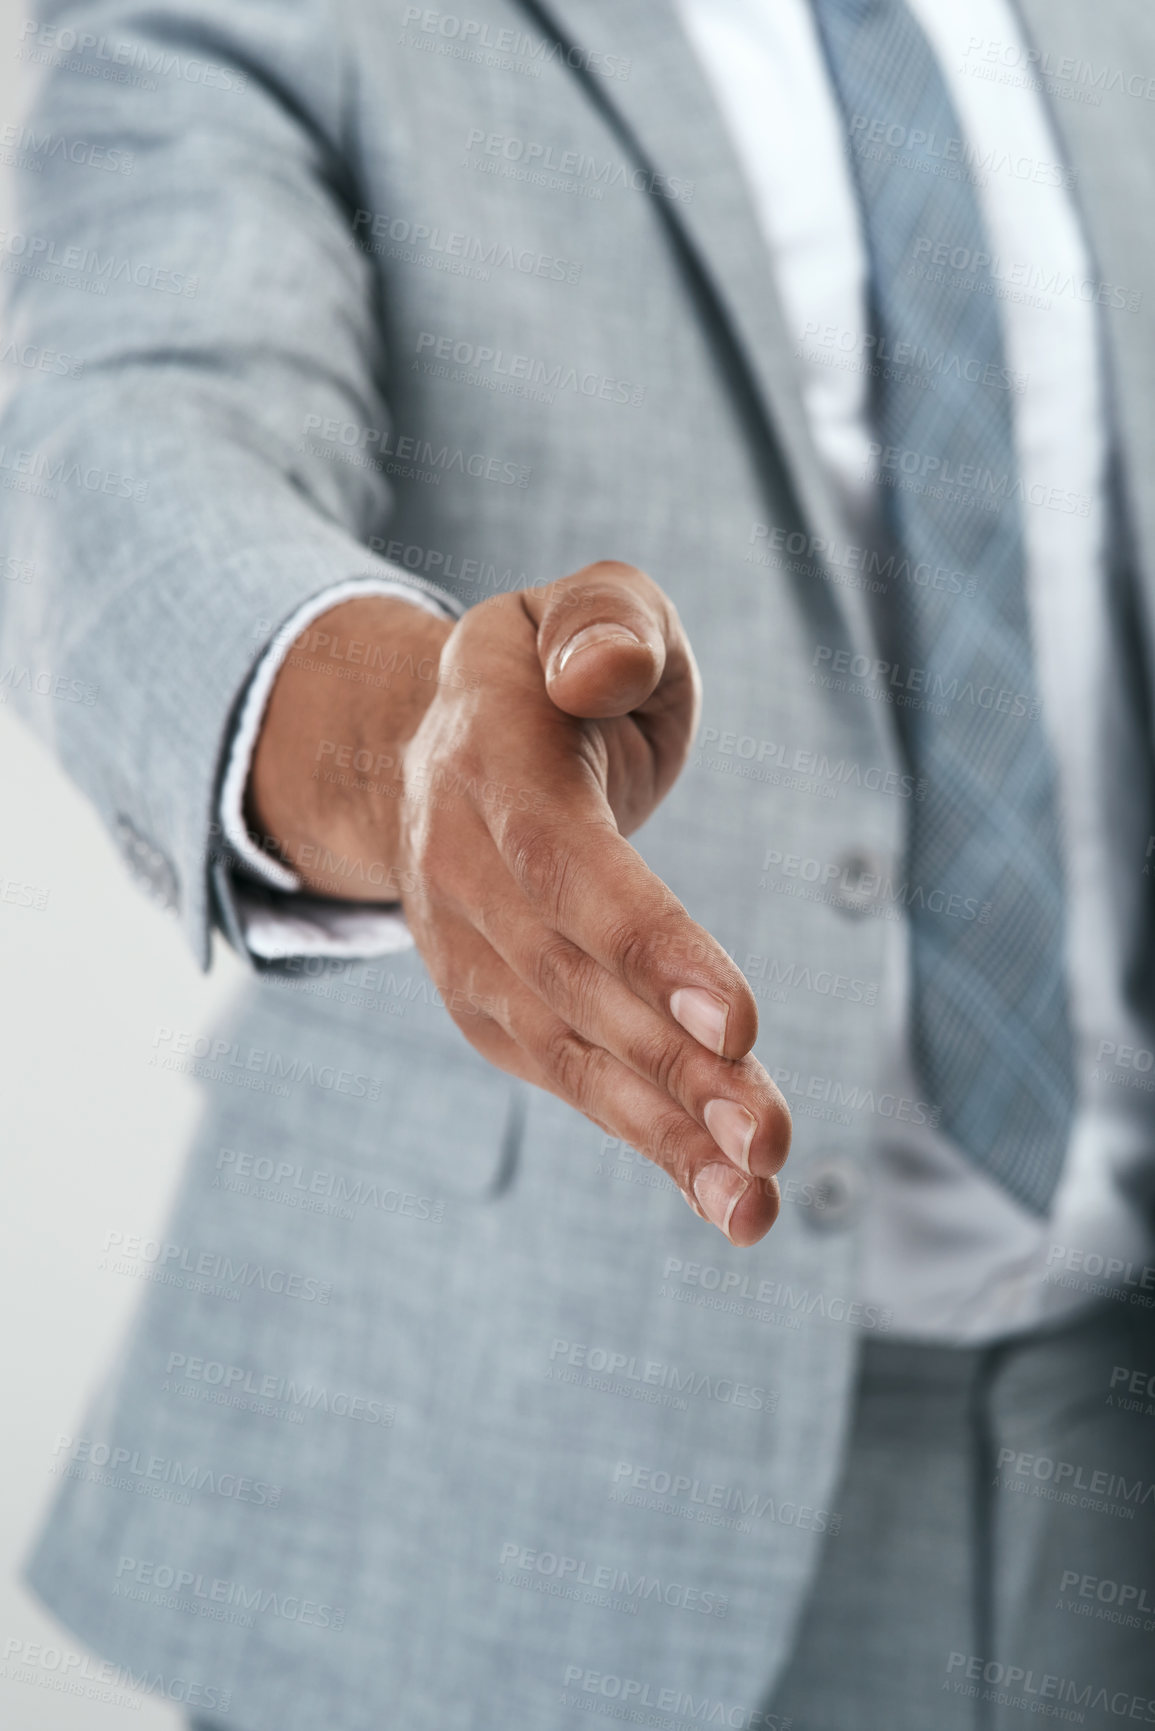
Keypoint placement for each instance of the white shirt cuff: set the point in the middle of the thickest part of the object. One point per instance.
(293, 923)
(276, 926)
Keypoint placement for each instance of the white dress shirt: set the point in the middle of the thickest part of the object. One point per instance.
(945, 1249)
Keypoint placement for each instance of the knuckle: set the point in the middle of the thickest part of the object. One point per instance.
(630, 945)
(549, 968)
(665, 1059)
(572, 1063)
(661, 944)
(671, 1144)
(562, 974)
(539, 864)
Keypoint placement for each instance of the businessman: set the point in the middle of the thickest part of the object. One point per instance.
(493, 437)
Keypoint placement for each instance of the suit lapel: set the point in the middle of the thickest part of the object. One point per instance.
(1109, 146)
(667, 111)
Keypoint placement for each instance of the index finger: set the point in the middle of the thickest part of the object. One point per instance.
(587, 882)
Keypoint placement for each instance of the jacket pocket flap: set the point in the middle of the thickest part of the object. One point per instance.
(406, 1098)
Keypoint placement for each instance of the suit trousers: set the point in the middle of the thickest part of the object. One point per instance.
(994, 1566)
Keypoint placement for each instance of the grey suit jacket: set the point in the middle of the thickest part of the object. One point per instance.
(439, 1409)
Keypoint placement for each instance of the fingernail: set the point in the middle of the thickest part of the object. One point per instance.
(732, 1128)
(719, 1190)
(594, 636)
(690, 1203)
(701, 1014)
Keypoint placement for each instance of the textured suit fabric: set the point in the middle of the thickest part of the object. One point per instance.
(436, 1408)
(970, 1586)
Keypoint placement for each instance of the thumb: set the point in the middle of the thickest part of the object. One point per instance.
(601, 639)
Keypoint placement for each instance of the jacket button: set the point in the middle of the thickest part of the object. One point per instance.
(860, 880)
(835, 1195)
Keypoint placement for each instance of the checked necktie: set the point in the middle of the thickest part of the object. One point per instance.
(991, 1034)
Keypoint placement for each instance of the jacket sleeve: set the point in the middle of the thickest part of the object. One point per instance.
(185, 254)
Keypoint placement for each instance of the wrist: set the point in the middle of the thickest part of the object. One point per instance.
(325, 790)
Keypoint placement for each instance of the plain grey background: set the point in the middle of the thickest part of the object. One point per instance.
(90, 1146)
